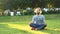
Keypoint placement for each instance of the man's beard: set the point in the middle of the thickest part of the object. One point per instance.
(38, 13)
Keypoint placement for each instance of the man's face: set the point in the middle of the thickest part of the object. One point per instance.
(38, 11)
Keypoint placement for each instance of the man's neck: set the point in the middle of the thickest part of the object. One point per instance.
(38, 14)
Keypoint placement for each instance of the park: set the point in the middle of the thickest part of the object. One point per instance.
(18, 22)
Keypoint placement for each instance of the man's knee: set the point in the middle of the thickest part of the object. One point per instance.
(31, 24)
(45, 25)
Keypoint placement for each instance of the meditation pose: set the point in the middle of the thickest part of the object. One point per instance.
(38, 20)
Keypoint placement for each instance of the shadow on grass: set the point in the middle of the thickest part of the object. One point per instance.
(50, 31)
(4, 29)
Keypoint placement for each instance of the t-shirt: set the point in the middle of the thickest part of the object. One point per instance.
(38, 19)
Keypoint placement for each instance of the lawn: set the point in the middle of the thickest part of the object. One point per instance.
(20, 24)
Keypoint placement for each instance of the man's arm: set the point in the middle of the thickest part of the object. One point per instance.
(33, 20)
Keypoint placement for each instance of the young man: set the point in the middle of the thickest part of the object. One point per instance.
(38, 20)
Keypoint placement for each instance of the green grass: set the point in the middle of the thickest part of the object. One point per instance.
(4, 29)
(52, 20)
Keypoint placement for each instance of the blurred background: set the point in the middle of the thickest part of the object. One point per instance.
(26, 7)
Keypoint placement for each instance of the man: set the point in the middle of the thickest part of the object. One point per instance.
(38, 20)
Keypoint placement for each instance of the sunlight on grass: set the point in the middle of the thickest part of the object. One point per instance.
(54, 29)
(20, 25)
(27, 28)
(4, 29)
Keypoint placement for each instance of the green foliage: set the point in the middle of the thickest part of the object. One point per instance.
(28, 3)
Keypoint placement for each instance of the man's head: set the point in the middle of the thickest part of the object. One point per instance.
(38, 11)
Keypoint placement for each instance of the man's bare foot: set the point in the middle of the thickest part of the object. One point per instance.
(34, 28)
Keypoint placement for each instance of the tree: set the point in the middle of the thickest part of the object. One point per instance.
(29, 3)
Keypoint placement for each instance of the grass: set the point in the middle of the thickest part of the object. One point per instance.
(19, 24)
(4, 29)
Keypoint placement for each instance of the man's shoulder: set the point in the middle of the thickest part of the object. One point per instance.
(42, 15)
